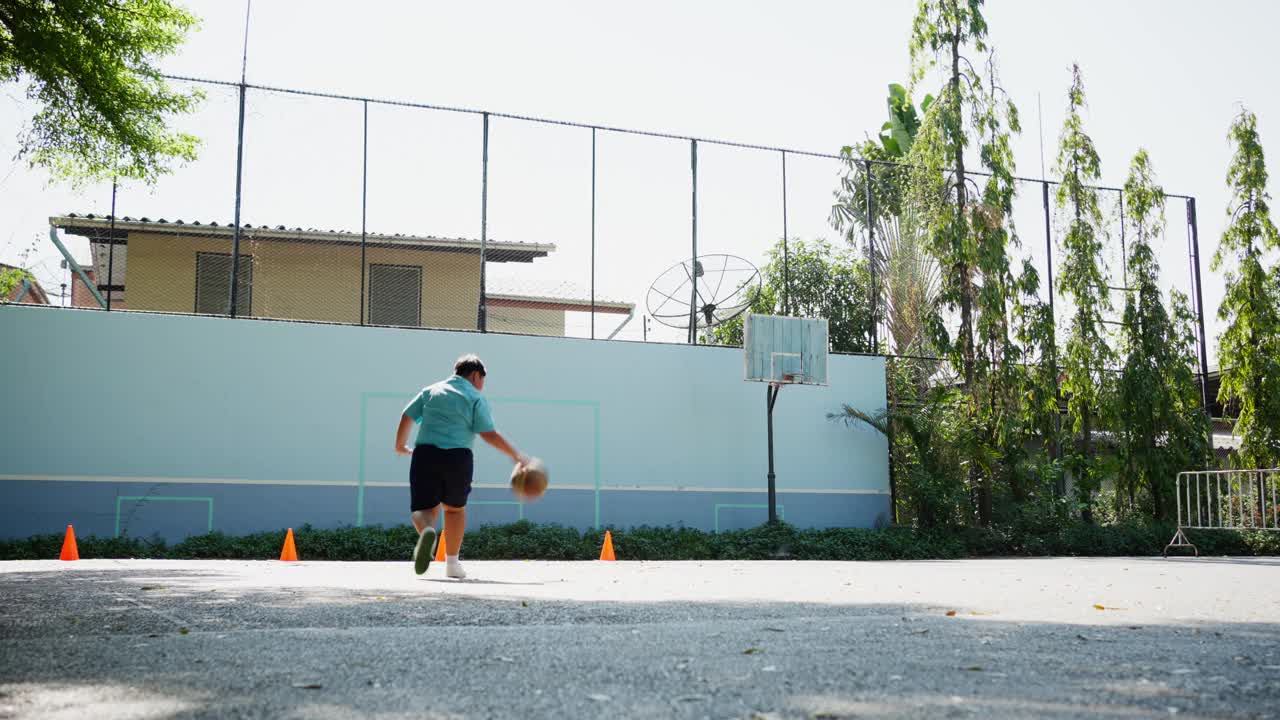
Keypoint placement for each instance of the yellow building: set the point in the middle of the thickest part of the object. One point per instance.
(317, 275)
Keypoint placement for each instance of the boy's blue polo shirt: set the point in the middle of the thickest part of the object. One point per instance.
(450, 413)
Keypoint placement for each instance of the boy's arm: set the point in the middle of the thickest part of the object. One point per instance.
(402, 435)
(412, 413)
(495, 438)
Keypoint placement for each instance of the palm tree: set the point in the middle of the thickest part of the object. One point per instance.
(907, 277)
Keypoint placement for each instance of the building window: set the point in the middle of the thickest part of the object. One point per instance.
(395, 295)
(213, 284)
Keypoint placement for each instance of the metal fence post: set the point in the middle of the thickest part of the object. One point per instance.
(693, 301)
(1198, 288)
(786, 239)
(872, 258)
(111, 246)
(1053, 334)
(593, 233)
(235, 240)
(364, 208)
(482, 310)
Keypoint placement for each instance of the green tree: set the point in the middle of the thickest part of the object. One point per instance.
(1161, 426)
(90, 66)
(824, 283)
(1083, 283)
(1037, 384)
(1249, 349)
(969, 229)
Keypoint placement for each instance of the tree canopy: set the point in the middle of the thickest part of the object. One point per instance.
(90, 66)
(824, 283)
(1249, 350)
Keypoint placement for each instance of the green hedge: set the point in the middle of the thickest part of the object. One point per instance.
(525, 540)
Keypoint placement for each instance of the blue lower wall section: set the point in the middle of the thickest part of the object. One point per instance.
(186, 423)
(175, 511)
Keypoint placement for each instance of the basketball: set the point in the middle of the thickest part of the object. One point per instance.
(529, 481)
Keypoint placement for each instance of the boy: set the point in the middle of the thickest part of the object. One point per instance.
(451, 412)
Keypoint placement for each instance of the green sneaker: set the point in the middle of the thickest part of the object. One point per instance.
(424, 550)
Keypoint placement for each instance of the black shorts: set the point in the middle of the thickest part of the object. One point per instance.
(439, 475)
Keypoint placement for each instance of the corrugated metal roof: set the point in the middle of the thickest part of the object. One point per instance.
(497, 250)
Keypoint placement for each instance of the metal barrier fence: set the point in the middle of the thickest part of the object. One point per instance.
(1226, 500)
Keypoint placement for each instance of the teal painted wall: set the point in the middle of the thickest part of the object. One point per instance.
(278, 424)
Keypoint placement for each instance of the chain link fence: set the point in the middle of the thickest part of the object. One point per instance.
(341, 209)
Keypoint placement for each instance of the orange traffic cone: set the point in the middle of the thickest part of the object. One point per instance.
(440, 548)
(69, 549)
(290, 551)
(606, 552)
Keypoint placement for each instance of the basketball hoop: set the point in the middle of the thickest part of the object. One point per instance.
(783, 351)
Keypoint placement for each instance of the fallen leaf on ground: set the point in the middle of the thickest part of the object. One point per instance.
(974, 668)
(924, 631)
(308, 686)
(951, 613)
(752, 651)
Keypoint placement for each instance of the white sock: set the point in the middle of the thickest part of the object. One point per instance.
(451, 558)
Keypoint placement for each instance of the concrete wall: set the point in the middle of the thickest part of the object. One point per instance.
(153, 424)
(299, 281)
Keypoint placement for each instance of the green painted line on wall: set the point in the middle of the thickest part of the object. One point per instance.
(715, 523)
(595, 420)
(163, 498)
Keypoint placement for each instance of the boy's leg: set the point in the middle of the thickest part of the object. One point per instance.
(455, 525)
(457, 486)
(423, 519)
(425, 548)
(424, 503)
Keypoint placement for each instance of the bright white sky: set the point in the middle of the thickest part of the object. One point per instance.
(1166, 75)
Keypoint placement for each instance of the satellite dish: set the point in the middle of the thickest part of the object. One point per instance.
(703, 292)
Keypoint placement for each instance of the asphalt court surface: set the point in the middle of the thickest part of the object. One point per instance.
(1105, 637)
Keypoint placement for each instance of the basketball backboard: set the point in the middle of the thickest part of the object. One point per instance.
(785, 350)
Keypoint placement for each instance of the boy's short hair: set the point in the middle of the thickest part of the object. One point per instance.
(468, 364)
